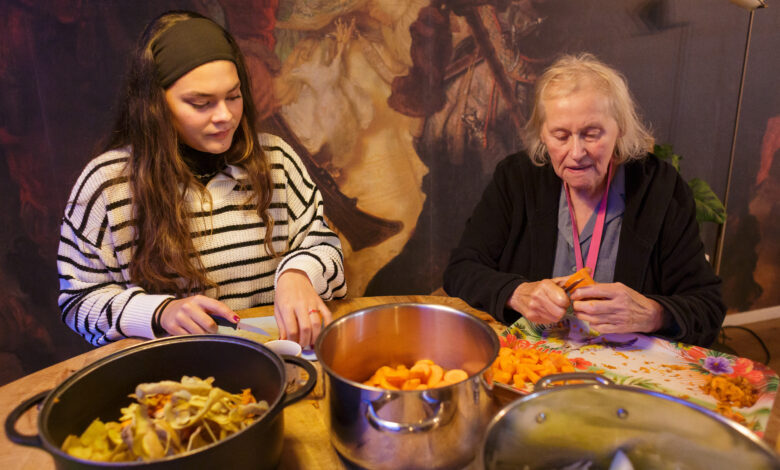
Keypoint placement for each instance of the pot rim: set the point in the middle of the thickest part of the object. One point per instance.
(51, 397)
(607, 384)
(367, 310)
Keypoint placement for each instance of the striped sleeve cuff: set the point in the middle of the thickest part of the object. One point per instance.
(138, 313)
(308, 264)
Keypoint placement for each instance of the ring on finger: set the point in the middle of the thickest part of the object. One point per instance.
(318, 313)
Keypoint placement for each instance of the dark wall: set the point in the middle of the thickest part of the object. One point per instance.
(61, 62)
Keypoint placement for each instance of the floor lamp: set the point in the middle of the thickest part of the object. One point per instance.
(751, 6)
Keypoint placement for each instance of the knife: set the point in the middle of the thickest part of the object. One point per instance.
(241, 325)
(570, 288)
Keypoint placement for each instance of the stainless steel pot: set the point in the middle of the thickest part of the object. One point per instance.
(384, 429)
(574, 426)
(102, 388)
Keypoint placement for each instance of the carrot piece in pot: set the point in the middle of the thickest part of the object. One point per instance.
(455, 375)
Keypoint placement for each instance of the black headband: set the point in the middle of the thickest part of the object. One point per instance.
(189, 44)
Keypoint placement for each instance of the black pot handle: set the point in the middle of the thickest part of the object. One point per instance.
(297, 395)
(13, 418)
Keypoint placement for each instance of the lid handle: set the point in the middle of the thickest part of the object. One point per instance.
(548, 380)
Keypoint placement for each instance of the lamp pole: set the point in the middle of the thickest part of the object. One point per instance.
(751, 5)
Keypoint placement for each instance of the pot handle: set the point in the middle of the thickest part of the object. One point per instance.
(548, 380)
(404, 428)
(307, 387)
(13, 417)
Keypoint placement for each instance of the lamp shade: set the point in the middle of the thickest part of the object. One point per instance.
(749, 4)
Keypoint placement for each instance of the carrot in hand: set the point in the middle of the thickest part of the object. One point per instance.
(583, 275)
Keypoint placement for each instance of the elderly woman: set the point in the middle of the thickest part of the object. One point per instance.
(587, 193)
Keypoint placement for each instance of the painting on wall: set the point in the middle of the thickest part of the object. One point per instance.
(374, 95)
(399, 108)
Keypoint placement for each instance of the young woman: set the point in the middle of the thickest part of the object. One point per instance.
(189, 213)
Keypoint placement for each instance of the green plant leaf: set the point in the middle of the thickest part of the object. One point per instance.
(708, 206)
(665, 152)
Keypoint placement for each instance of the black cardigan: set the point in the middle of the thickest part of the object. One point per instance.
(511, 237)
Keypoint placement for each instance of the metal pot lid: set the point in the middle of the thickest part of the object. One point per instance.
(588, 424)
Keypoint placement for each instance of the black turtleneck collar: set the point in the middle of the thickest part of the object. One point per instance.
(203, 165)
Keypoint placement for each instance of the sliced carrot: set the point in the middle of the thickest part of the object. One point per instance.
(507, 364)
(411, 384)
(436, 375)
(503, 352)
(420, 370)
(529, 365)
(501, 376)
(454, 376)
(383, 383)
(397, 376)
(422, 375)
(518, 380)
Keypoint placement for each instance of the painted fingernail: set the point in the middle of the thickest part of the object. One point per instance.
(236, 318)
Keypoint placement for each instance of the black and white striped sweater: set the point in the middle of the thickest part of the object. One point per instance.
(99, 302)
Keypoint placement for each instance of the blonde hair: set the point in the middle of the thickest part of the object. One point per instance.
(570, 74)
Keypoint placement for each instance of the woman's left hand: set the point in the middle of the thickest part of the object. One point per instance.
(300, 313)
(616, 308)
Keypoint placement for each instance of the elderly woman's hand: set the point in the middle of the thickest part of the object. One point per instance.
(300, 313)
(540, 302)
(616, 308)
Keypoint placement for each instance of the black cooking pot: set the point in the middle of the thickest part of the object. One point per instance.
(102, 388)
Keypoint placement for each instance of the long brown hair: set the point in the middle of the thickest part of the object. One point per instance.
(159, 178)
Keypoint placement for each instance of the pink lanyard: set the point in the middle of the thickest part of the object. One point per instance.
(598, 230)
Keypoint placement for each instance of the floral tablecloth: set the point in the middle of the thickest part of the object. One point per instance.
(652, 363)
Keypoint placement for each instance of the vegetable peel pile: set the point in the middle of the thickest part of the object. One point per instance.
(168, 418)
(730, 391)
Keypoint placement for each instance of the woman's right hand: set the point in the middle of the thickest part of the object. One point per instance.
(540, 302)
(192, 315)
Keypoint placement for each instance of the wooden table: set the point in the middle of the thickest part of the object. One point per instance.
(306, 439)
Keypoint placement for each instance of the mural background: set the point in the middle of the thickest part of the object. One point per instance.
(400, 108)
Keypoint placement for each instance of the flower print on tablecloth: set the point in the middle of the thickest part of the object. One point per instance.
(709, 361)
(717, 365)
(567, 334)
(651, 363)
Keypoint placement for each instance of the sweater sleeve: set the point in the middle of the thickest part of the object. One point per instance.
(95, 299)
(473, 272)
(312, 246)
(690, 290)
